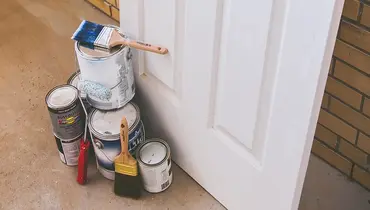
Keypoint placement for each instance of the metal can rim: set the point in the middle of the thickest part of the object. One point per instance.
(66, 106)
(112, 137)
(168, 151)
(68, 140)
(73, 76)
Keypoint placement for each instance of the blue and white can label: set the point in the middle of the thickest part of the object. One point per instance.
(105, 125)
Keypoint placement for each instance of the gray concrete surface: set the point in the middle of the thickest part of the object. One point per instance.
(325, 188)
(36, 54)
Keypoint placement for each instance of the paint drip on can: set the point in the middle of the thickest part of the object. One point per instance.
(154, 159)
(66, 114)
(69, 150)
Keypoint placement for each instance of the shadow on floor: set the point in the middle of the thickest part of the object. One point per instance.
(325, 188)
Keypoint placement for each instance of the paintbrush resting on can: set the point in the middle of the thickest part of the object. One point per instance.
(126, 181)
(95, 35)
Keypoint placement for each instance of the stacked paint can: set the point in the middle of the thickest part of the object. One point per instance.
(113, 70)
(68, 121)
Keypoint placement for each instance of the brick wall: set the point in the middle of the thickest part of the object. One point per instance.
(342, 135)
(109, 7)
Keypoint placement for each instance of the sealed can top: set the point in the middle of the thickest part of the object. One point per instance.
(99, 53)
(106, 124)
(153, 153)
(74, 80)
(61, 96)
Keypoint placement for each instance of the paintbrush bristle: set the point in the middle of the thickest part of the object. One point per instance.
(92, 34)
(127, 186)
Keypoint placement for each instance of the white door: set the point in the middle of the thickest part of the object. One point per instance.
(238, 95)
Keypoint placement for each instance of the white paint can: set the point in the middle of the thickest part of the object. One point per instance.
(105, 129)
(154, 160)
(113, 69)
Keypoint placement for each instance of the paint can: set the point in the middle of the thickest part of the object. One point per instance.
(69, 150)
(74, 80)
(66, 114)
(154, 159)
(105, 129)
(113, 69)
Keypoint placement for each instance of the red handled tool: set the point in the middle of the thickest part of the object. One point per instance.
(83, 158)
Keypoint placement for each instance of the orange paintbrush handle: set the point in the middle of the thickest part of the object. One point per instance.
(142, 46)
(124, 137)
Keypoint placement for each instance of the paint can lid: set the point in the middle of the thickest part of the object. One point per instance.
(74, 80)
(107, 123)
(153, 153)
(61, 96)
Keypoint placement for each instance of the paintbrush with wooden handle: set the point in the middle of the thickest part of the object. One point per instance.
(95, 35)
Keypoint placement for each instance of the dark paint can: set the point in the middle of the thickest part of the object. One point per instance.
(66, 113)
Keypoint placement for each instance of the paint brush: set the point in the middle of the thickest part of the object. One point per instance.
(127, 181)
(83, 158)
(95, 35)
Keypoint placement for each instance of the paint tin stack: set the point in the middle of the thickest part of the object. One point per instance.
(67, 118)
(113, 70)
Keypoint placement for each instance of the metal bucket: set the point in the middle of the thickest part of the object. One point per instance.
(154, 159)
(113, 69)
(105, 128)
(66, 114)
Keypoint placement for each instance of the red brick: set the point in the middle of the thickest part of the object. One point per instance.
(352, 77)
(337, 126)
(343, 92)
(361, 176)
(350, 9)
(355, 118)
(331, 157)
(352, 56)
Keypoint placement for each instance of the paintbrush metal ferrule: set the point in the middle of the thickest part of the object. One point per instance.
(104, 37)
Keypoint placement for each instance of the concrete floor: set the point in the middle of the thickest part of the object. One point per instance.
(36, 54)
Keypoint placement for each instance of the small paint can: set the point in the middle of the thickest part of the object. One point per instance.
(105, 129)
(69, 150)
(113, 69)
(74, 80)
(66, 113)
(154, 159)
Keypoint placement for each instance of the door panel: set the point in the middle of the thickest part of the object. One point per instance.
(226, 96)
(243, 45)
